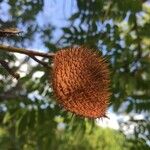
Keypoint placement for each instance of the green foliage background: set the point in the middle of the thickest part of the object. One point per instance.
(121, 30)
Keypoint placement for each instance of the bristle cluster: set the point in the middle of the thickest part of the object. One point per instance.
(81, 81)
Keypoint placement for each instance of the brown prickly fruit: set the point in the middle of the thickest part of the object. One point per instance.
(81, 81)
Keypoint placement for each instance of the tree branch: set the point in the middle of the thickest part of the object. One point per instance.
(40, 62)
(25, 51)
(9, 70)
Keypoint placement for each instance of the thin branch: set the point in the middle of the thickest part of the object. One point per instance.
(40, 62)
(25, 51)
(9, 70)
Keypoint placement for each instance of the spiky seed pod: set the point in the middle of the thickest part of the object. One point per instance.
(7, 32)
(81, 81)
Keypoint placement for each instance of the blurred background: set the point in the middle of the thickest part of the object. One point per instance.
(30, 118)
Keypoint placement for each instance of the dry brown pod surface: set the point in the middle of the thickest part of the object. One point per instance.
(81, 81)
